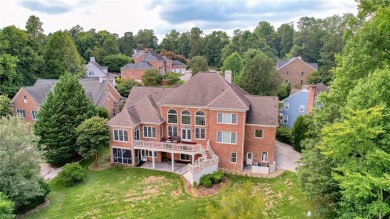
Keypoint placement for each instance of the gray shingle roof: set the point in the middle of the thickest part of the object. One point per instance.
(93, 89)
(282, 63)
(103, 68)
(177, 62)
(152, 56)
(263, 110)
(138, 66)
(137, 93)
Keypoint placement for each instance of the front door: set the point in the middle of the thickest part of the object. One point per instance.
(249, 159)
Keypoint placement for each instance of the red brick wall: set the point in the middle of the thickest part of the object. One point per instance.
(259, 145)
(109, 103)
(128, 144)
(30, 106)
(295, 70)
(310, 101)
(132, 74)
(221, 150)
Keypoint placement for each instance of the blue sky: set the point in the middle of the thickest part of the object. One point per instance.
(162, 16)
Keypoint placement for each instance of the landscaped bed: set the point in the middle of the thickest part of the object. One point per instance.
(120, 192)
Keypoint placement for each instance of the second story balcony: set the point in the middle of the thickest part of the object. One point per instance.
(168, 147)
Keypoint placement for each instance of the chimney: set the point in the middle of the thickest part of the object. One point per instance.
(187, 76)
(101, 80)
(299, 57)
(311, 98)
(228, 76)
(92, 59)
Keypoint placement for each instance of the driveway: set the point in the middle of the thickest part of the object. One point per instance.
(286, 157)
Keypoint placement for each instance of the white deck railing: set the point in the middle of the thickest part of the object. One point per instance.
(194, 148)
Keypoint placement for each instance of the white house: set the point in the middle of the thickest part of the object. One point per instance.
(95, 70)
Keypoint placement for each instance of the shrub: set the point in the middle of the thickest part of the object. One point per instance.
(6, 207)
(71, 174)
(209, 179)
(172, 78)
(283, 134)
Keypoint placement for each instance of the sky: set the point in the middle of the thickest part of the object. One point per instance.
(163, 16)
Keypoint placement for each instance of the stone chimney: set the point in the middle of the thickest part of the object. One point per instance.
(299, 57)
(101, 80)
(228, 76)
(148, 49)
(311, 98)
(92, 59)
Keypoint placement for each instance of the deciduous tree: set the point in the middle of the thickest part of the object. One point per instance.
(197, 64)
(233, 63)
(124, 86)
(151, 78)
(116, 62)
(5, 108)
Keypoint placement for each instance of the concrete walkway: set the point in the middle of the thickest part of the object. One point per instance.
(48, 172)
(286, 157)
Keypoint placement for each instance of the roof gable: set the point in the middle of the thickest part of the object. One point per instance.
(228, 99)
(282, 63)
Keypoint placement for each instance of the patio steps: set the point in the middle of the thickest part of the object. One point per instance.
(209, 156)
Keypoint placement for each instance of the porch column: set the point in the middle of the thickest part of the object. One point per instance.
(193, 157)
(173, 162)
(153, 164)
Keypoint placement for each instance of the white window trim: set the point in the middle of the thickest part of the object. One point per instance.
(301, 108)
(231, 114)
(177, 129)
(230, 137)
(32, 114)
(188, 129)
(232, 157)
(262, 156)
(189, 157)
(143, 132)
(201, 134)
(113, 134)
(181, 117)
(262, 134)
(153, 152)
(19, 114)
(171, 114)
(204, 116)
(286, 106)
(285, 116)
(123, 148)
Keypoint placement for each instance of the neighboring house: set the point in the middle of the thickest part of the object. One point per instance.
(147, 59)
(207, 122)
(27, 101)
(94, 70)
(295, 71)
(300, 102)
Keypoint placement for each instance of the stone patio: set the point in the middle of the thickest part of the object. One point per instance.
(164, 166)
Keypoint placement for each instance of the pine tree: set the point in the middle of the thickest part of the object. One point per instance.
(63, 110)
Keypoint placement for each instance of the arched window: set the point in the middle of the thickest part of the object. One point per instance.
(172, 116)
(186, 117)
(200, 118)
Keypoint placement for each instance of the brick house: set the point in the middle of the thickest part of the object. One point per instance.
(295, 71)
(147, 59)
(207, 122)
(27, 101)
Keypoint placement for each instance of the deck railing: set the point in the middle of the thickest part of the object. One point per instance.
(169, 146)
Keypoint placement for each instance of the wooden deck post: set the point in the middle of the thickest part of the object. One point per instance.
(173, 162)
(193, 157)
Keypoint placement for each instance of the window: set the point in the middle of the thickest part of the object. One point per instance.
(285, 119)
(258, 133)
(227, 118)
(172, 116)
(286, 73)
(286, 106)
(301, 108)
(233, 157)
(149, 132)
(34, 115)
(226, 137)
(120, 135)
(21, 113)
(184, 157)
(121, 155)
(186, 117)
(115, 111)
(91, 73)
(24, 99)
(286, 81)
(200, 118)
(264, 156)
(172, 130)
(150, 154)
(302, 73)
(301, 82)
(200, 133)
(186, 134)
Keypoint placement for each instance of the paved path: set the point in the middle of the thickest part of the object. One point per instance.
(286, 157)
(48, 172)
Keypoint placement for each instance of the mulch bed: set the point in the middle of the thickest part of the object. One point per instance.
(38, 208)
(202, 191)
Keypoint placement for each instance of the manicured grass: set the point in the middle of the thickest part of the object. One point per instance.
(139, 193)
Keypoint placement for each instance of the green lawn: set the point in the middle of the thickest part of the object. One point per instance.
(139, 193)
